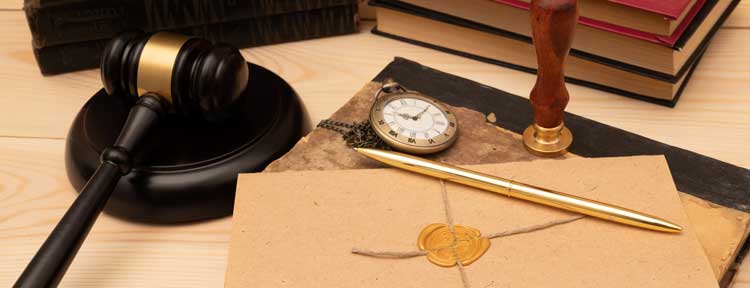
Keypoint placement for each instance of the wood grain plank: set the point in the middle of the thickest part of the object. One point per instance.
(740, 18)
(34, 193)
(11, 4)
(33, 105)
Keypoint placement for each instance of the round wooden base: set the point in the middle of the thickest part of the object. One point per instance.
(187, 171)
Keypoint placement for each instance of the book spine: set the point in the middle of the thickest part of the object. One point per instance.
(69, 21)
(242, 33)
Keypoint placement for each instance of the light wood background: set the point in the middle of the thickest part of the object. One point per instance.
(712, 118)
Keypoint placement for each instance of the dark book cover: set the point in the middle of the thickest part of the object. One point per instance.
(56, 22)
(243, 33)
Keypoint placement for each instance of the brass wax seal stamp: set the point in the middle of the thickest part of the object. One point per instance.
(552, 26)
(444, 249)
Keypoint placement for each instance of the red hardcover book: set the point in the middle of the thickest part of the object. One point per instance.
(669, 8)
(661, 7)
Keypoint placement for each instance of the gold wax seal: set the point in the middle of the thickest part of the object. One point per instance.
(438, 240)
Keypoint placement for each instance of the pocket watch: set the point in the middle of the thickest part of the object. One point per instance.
(412, 122)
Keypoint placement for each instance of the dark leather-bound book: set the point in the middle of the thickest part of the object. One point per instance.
(491, 121)
(56, 22)
(242, 33)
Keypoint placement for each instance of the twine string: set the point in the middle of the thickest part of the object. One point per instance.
(451, 228)
(389, 254)
(449, 219)
(536, 227)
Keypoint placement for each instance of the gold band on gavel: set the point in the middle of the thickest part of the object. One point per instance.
(156, 63)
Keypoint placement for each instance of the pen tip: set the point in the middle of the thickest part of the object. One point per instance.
(355, 149)
(677, 229)
(670, 227)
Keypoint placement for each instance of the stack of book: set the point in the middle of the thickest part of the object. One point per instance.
(69, 35)
(638, 48)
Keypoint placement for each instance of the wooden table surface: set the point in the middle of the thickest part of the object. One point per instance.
(712, 118)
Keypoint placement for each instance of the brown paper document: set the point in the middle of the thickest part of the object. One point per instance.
(298, 229)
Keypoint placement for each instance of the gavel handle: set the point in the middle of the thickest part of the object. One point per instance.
(51, 262)
(53, 258)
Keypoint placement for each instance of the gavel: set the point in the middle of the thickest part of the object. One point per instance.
(553, 24)
(157, 74)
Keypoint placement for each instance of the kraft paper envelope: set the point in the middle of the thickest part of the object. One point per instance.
(298, 229)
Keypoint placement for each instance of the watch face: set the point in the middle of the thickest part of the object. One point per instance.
(413, 123)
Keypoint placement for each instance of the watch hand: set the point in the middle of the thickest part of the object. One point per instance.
(404, 115)
(420, 114)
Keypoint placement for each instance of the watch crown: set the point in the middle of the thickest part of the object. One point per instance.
(391, 86)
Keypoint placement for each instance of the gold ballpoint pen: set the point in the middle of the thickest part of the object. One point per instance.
(519, 190)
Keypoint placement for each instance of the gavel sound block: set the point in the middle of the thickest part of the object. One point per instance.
(553, 23)
(187, 168)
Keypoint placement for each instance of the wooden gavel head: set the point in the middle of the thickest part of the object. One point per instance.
(552, 23)
(193, 76)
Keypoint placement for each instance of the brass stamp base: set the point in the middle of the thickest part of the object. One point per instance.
(547, 142)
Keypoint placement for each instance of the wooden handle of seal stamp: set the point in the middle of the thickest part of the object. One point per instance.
(552, 23)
